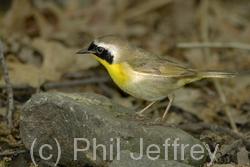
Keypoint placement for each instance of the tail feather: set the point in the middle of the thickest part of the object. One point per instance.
(216, 74)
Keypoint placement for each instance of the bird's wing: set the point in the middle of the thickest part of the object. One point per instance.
(161, 67)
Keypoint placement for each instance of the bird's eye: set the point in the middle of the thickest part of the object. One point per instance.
(99, 50)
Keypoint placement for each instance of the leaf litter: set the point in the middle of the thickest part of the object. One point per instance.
(41, 38)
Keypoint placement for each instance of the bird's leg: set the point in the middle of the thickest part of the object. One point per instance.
(143, 110)
(171, 99)
(139, 115)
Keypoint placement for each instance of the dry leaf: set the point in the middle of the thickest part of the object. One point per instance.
(242, 157)
(60, 58)
(184, 18)
(187, 99)
(14, 19)
(240, 82)
(197, 57)
(3, 111)
(28, 74)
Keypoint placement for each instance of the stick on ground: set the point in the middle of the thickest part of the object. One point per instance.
(10, 106)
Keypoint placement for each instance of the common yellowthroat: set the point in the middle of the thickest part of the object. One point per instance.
(142, 74)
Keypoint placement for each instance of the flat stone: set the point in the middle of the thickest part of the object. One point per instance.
(84, 129)
(125, 160)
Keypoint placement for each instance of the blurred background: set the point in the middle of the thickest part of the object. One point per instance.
(41, 37)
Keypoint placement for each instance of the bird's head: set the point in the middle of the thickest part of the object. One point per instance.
(110, 48)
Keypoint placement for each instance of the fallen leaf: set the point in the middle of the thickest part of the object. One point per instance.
(187, 99)
(28, 74)
(3, 111)
(60, 58)
(242, 157)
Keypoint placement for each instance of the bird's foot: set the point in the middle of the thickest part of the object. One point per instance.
(160, 122)
(137, 117)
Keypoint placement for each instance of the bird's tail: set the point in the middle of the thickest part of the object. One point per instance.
(216, 74)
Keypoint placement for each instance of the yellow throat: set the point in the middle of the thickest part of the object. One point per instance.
(116, 71)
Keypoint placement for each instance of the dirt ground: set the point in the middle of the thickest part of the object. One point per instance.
(41, 38)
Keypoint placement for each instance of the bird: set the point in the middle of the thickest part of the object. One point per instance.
(143, 74)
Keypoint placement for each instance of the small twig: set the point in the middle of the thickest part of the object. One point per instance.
(10, 107)
(144, 8)
(39, 85)
(21, 86)
(51, 85)
(233, 45)
(218, 129)
(227, 149)
(224, 101)
(12, 152)
(204, 37)
(204, 27)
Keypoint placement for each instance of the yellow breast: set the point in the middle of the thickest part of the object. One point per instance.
(116, 71)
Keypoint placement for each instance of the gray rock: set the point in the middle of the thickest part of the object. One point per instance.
(126, 160)
(53, 123)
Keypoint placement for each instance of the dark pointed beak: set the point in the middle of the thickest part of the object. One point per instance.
(84, 51)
